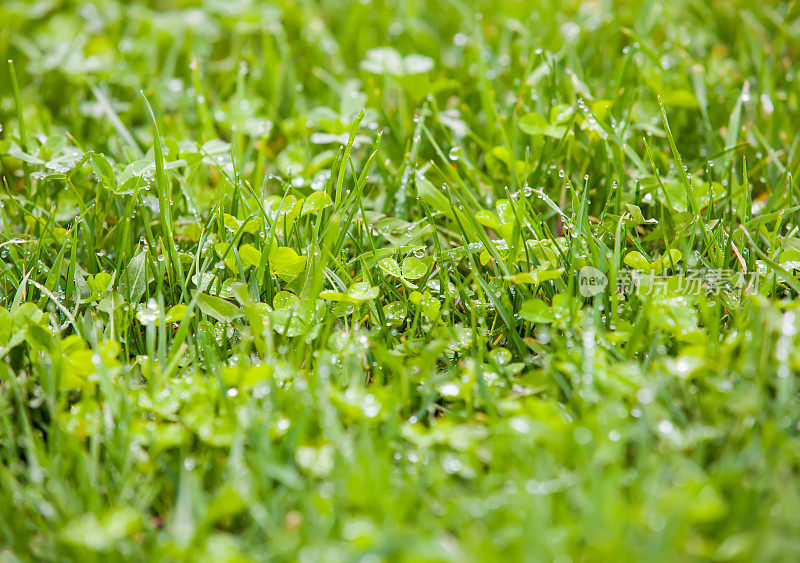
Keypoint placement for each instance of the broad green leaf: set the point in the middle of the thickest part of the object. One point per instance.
(359, 292)
(636, 214)
(285, 300)
(702, 192)
(249, 256)
(133, 281)
(500, 161)
(536, 124)
(316, 202)
(637, 261)
(103, 169)
(395, 312)
(671, 258)
(225, 249)
(428, 304)
(246, 376)
(285, 262)
(501, 356)
(176, 313)
(390, 267)
(363, 291)
(231, 223)
(548, 274)
(505, 211)
(253, 226)
(99, 284)
(790, 259)
(536, 311)
(217, 308)
(330, 295)
(488, 219)
(536, 276)
(561, 113)
(232, 288)
(413, 268)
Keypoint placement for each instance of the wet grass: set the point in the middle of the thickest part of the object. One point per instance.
(312, 281)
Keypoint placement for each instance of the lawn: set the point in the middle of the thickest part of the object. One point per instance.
(395, 280)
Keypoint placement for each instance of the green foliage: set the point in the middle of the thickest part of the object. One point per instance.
(308, 281)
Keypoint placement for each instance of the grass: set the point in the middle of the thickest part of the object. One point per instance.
(307, 280)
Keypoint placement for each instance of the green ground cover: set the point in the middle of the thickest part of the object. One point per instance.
(399, 280)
